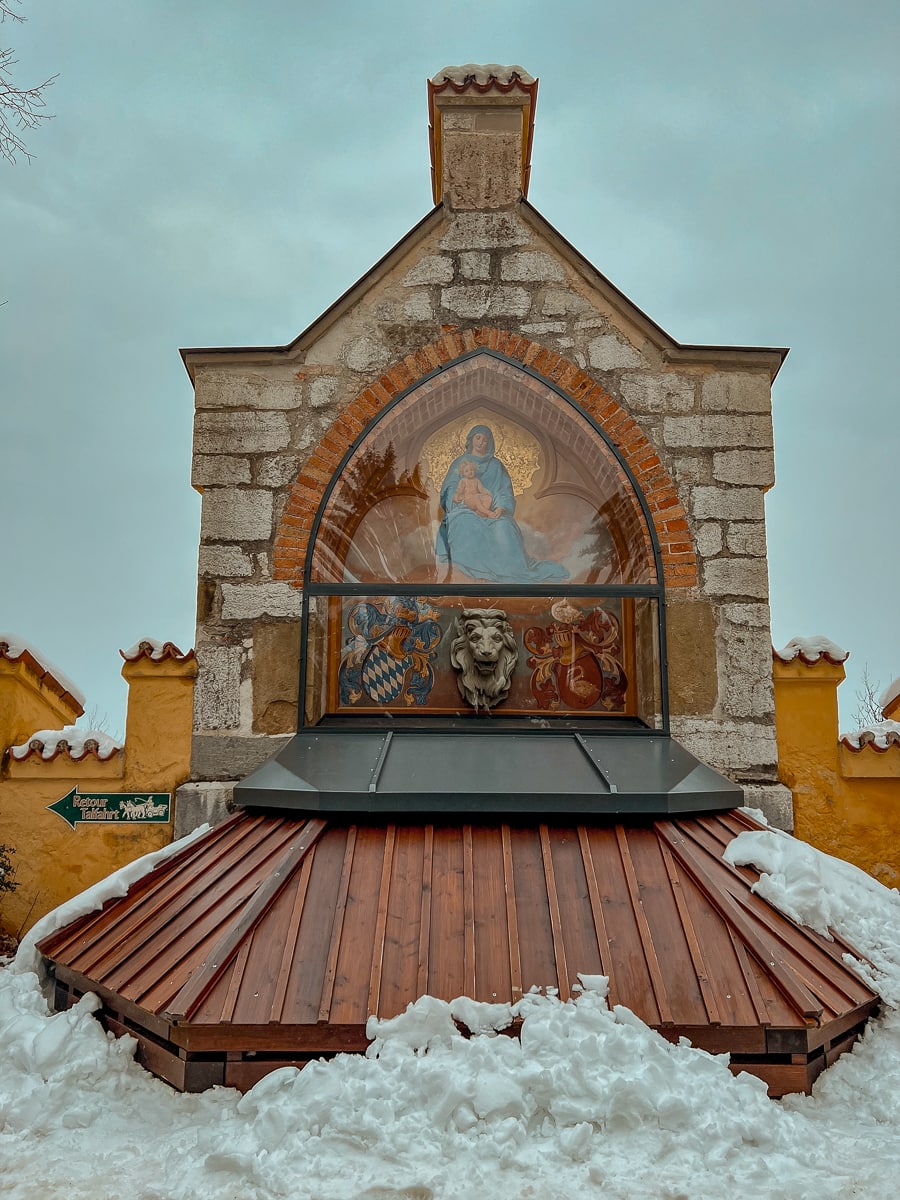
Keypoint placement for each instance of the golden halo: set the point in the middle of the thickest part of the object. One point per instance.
(519, 451)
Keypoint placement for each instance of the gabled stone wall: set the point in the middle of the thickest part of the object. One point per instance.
(267, 418)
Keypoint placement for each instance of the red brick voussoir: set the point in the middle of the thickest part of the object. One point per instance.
(669, 518)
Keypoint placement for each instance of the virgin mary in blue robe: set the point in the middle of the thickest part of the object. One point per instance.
(483, 547)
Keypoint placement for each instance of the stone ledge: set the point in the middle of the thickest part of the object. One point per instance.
(201, 804)
(216, 758)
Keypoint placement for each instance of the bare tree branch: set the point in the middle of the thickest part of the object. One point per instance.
(20, 108)
(868, 710)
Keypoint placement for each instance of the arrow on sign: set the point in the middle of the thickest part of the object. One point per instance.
(102, 808)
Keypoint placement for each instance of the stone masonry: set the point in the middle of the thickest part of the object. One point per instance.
(463, 277)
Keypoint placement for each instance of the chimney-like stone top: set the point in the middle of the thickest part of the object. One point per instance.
(481, 129)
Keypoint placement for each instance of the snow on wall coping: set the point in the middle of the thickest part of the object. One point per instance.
(155, 650)
(891, 692)
(482, 74)
(880, 735)
(70, 741)
(811, 650)
(13, 647)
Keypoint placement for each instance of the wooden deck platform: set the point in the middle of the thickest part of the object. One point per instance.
(269, 941)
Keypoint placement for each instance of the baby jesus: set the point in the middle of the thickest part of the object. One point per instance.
(472, 492)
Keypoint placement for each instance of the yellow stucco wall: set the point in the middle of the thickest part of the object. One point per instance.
(846, 802)
(53, 862)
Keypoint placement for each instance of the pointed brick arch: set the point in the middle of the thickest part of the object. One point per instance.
(669, 518)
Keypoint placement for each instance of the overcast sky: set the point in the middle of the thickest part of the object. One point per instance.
(218, 173)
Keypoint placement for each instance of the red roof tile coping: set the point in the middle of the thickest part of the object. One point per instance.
(156, 652)
(46, 676)
(668, 515)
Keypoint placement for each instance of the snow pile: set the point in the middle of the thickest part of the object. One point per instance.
(17, 646)
(880, 734)
(588, 1101)
(50, 742)
(811, 649)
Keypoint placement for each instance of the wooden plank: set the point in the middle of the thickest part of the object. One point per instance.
(276, 1012)
(424, 955)
(113, 1002)
(270, 1039)
(446, 973)
(337, 927)
(701, 970)
(387, 862)
(532, 909)
(468, 915)
(492, 980)
(559, 949)
(399, 973)
(234, 983)
(607, 967)
(349, 1001)
(576, 921)
(646, 940)
(512, 920)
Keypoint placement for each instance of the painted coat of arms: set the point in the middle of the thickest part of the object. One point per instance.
(390, 652)
(576, 661)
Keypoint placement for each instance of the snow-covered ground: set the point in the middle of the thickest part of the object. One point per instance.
(590, 1102)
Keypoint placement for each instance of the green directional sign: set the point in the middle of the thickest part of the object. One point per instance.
(123, 808)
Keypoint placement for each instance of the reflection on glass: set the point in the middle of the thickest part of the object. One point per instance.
(483, 475)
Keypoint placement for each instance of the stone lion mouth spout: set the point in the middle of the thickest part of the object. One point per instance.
(485, 653)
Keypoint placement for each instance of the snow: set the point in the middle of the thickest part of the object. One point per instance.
(875, 733)
(16, 646)
(587, 1102)
(482, 73)
(891, 692)
(812, 649)
(153, 646)
(77, 739)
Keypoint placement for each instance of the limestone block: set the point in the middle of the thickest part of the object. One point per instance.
(226, 389)
(385, 311)
(540, 328)
(419, 307)
(276, 676)
(476, 300)
(220, 469)
(240, 432)
(740, 749)
(715, 432)
(475, 264)
(560, 303)
(364, 353)
(531, 267)
(693, 468)
(217, 691)
(747, 539)
(321, 391)
(756, 467)
(746, 659)
(691, 644)
(658, 393)
(436, 268)
(276, 471)
(485, 231)
(728, 504)
(748, 614)
(247, 601)
(235, 515)
(220, 757)
(199, 804)
(608, 352)
(227, 561)
(736, 577)
(709, 539)
(736, 393)
(775, 802)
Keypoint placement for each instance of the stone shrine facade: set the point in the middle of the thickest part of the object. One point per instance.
(483, 271)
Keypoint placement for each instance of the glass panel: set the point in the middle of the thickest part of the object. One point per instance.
(394, 656)
(483, 474)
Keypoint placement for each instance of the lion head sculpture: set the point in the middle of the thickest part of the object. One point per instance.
(485, 653)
